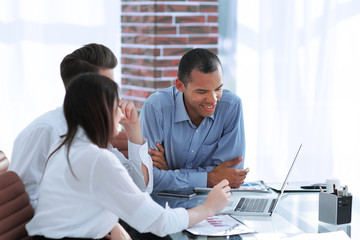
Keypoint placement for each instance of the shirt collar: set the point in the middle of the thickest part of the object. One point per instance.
(180, 110)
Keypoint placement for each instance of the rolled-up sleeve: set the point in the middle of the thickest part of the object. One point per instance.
(137, 154)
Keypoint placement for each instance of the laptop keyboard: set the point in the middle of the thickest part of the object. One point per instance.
(251, 205)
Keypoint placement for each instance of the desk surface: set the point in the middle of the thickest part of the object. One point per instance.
(296, 213)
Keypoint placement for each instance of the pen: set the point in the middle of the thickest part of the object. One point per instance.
(345, 190)
(232, 227)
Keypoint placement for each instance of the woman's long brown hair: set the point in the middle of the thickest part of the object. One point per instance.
(89, 103)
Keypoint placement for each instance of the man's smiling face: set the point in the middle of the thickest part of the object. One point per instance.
(201, 94)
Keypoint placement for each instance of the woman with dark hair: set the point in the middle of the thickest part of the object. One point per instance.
(85, 189)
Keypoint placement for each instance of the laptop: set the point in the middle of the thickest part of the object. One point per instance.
(255, 206)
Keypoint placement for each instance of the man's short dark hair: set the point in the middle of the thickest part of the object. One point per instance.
(200, 59)
(89, 58)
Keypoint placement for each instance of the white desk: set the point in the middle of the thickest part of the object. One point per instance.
(296, 213)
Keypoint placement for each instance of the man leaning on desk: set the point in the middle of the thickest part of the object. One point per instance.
(195, 129)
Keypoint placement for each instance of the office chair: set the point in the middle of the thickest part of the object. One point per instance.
(4, 162)
(15, 208)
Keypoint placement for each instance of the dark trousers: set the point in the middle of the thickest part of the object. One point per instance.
(135, 235)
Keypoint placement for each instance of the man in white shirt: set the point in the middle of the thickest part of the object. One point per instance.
(32, 145)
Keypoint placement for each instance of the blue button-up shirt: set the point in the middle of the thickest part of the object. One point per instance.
(191, 152)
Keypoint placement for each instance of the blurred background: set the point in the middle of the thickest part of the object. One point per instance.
(295, 65)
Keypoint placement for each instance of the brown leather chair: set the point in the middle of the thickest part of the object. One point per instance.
(15, 208)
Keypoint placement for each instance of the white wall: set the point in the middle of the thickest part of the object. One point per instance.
(34, 37)
(297, 70)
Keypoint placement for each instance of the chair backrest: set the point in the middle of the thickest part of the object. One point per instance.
(4, 162)
(15, 208)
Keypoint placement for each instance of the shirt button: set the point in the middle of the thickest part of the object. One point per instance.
(197, 130)
(192, 150)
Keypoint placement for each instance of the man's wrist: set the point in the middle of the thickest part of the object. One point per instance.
(210, 177)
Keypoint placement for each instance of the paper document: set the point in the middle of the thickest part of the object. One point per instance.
(221, 225)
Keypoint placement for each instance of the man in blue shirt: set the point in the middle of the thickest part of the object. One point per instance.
(195, 129)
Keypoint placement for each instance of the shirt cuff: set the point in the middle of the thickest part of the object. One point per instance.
(197, 179)
(138, 151)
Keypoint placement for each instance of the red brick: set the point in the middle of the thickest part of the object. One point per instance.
(213, 19)
(190, 19)
(141, 51)
(138, 29)
(163, 19)
(146, 19)
(214, 29)
(132, 61)
(138, 19)
(203, 40)
(170, 0)
(164, 84)
(152, 8)
(165, 29)
(208, 8)
(135, 92)
(138, 40)
(170, 73)
(139, 1)
(138, 82)
(166, 62)
(149, 62)
(175, 51)
(181, 8)
(194, 29)
(130, 8)
(170, 40)
(141, 72)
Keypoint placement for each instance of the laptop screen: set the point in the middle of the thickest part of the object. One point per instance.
(286, 179)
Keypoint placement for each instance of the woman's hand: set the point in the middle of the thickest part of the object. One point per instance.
(216, 200)
(218, 197)
(131, 122)
(130, 113)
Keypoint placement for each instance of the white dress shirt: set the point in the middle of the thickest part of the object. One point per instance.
(89, 204)
(32, 145)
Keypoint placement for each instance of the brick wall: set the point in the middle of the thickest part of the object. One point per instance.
(154, 36)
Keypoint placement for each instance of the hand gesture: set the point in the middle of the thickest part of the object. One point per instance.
(130, 113)
(235, 176)
(131, 122)
(158, 157)
(218, 197)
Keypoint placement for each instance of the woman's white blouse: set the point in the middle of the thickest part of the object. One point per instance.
(89, 204)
